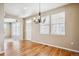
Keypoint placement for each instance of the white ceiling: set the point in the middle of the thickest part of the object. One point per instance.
(27, 9)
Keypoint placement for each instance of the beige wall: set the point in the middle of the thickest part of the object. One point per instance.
(1, 25)
(71, 38)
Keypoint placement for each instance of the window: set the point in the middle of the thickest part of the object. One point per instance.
(28, 29)
(16, 29)
(9, 20)
(44, 27)
(58, 24)
(9, 26)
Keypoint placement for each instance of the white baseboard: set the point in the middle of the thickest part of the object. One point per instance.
(56, 46)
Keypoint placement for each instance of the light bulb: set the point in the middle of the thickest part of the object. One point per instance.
(34, 18)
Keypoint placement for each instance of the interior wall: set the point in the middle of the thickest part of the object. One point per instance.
(71, 38)
(1, 26)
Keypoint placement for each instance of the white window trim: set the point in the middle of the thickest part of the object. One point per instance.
(63, 12)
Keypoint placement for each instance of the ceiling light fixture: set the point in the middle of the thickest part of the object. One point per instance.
(38, 19)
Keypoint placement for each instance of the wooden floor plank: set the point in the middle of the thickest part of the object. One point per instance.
(28, 48)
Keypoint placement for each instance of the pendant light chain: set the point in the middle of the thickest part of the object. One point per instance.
(39, 12)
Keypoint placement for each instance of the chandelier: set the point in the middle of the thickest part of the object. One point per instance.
(38, 19)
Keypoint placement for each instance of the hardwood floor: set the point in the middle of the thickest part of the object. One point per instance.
(28, 48)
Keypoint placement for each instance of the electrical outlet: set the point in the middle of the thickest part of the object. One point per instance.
(72, 43)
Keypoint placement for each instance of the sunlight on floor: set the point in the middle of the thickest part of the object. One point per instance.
(12, 48)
